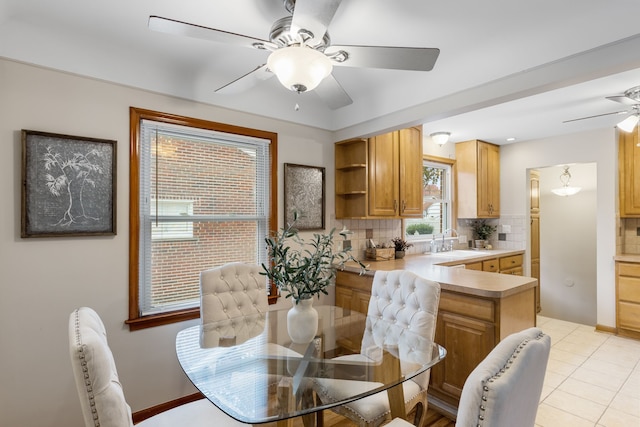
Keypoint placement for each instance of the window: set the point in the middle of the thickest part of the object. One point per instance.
(201, 195)
(436, 200)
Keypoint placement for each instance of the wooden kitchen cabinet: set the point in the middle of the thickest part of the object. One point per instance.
(628, 299)
(474, 266)
(478, 179)
(351, 178)
(353, 291)
(395, 174)
(380, 177)
(465, 327)
(629, 175)
(491, 265)
(511, 264)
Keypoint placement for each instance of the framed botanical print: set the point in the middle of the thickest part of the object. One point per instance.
(68, 185)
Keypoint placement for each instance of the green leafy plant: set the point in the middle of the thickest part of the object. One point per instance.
(431, 175)
(482, 230)
(421, 228)
(302, 269)
(401, 244)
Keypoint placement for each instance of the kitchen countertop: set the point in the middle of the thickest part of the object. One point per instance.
(627, 258)
(438, 267)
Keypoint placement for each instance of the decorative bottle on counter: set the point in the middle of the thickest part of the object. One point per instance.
(433, 245)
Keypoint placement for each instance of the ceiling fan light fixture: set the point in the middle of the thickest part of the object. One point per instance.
(566, 189)
(440, 138)
(629, 123)
(299, 68)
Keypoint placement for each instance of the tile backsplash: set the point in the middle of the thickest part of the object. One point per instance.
(383, 230)
(629, 237)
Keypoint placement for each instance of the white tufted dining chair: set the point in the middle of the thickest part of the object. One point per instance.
(235, 294)
(234, 304)
(504, 389)
(101, 396)
(410, 301)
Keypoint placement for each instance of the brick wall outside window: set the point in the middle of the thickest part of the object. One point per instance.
(220, 181)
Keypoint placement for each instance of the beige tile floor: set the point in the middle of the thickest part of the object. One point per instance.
(592, 379)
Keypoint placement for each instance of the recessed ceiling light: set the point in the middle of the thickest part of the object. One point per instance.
(511, 139)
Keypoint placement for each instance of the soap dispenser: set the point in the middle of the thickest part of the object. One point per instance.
(433, 245)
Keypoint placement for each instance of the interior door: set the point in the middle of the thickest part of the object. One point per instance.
(534, 196)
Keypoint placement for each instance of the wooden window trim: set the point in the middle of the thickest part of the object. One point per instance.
(135, 320)
(453, 183)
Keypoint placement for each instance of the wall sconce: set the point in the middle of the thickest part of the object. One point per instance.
(566, 189)
(440, 138)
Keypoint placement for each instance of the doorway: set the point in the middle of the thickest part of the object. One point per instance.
(568, 272)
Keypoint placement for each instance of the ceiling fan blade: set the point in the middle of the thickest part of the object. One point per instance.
(597, 115)
(622, 99)
(246, 81)
(171, 26)
(392, 58)
(332, 93)
(314, 16)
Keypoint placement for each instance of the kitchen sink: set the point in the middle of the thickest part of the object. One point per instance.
(456, 254)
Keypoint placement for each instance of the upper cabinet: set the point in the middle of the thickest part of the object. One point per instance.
(380, 177)
(411, 187)
(351, 178)
(478, 179)
(629, 179)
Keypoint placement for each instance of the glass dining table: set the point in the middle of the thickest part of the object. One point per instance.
(249, 368)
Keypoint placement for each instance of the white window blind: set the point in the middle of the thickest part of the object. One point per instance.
(204, 201)
(169, 229)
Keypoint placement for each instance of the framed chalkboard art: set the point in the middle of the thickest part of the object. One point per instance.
(304, 194)
(68, 185)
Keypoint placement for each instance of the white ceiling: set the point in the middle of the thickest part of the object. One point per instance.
(506, 67)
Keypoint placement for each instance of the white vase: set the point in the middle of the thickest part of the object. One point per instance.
(302, 321)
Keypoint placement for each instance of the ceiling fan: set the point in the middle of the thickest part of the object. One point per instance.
(301, 54)
(630, 97)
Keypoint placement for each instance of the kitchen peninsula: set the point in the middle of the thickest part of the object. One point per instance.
(479, 306)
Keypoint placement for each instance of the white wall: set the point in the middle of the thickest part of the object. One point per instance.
(44, 279)
(447, 151)
(599, 147)
(568, 246)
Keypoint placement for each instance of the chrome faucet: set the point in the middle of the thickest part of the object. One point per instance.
(444, 233)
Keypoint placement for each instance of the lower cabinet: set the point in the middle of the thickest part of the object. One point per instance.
(511, 264)
(468, 326)
(474, 266)
(467, 341)
(491, 265)
(628, 299)
(352, 299)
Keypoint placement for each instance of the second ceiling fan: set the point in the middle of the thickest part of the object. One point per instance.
(630, 97)
(300, 51)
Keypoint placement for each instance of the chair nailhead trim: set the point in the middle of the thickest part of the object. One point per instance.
(485, 388)
(85, 370)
